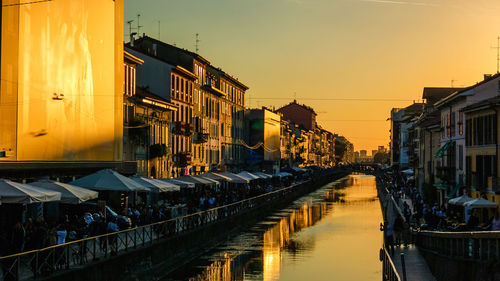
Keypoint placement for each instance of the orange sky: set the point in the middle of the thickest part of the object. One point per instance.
(323, 51)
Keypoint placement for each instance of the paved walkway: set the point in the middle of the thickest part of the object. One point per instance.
(416, 266)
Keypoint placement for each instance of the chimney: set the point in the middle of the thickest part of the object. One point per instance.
(487, 76)
(132, 39)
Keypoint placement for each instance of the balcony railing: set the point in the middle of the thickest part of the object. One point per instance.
(200, 137)
(182, 128)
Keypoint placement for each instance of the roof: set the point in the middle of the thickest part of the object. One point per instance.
(430, 119)
(294, 102)
(195, 55)
(464, 90)
(434, 94)
(187, 52)
(488, 103)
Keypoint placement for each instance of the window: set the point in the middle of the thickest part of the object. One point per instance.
(461, 157)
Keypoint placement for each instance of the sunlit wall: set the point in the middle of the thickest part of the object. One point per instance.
(62, 80)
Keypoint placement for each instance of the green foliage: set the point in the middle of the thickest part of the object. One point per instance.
(157, 150)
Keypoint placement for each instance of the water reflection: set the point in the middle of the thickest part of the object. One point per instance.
(332, 233)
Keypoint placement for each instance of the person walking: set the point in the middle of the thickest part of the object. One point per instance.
(495, 222)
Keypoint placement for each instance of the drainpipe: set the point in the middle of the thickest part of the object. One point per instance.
(496, 147)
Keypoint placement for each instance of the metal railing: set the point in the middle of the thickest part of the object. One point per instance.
(389, 272)
(476, 245)
(75, 254)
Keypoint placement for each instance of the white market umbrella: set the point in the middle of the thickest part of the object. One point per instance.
(248, 175)
(182, 184)
(217, 177)
(263, 175)
(108, 180)
(18, 193)
(480, 203)
(155, 185)
(170, 186)
(235, 178)
(70, 194)
(460, 201)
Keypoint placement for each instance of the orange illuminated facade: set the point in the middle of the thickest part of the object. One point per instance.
(61, 96)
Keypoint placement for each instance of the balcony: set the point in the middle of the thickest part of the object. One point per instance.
(200, 137)
(182, 159)
(182, 128)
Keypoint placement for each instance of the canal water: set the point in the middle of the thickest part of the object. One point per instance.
(331, 234)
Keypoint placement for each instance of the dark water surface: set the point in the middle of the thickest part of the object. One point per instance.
(331, 234)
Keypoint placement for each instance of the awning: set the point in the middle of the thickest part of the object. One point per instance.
(453, 191)
(18, 193)
(70, 194)
(443, 149)
(441, 185)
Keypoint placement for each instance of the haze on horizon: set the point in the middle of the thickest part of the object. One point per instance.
(351, 60)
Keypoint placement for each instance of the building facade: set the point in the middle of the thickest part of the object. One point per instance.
(72, 125)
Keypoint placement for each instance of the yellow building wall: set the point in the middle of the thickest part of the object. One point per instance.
(66, 80)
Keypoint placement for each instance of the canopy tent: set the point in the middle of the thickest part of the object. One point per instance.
(217, 177)
(460, 201)
(108, 180)
(156, 186)
(70, 194)
(182, 184)
(263, 175)
(480, 203)
(443, 149)
(235, 178)
(18, 193)
(248, 175)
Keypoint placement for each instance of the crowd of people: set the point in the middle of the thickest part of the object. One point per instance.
(70, 226)
(417, 213)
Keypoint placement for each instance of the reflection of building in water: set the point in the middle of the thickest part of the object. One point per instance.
(276, 238)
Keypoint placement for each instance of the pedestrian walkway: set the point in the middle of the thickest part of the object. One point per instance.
(416, 266)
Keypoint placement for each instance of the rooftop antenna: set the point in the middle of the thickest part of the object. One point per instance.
(452, 81)
(197, 43)
(498, 52)
(159, 38)
(130, 26)
(138, 26)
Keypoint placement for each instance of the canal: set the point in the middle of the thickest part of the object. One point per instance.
(330, 234)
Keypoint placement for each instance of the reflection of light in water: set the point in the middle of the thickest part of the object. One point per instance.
(281, 247)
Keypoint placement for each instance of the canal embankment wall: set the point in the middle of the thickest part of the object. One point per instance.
(158, 259)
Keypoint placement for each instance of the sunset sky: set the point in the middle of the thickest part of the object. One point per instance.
(351, 60)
